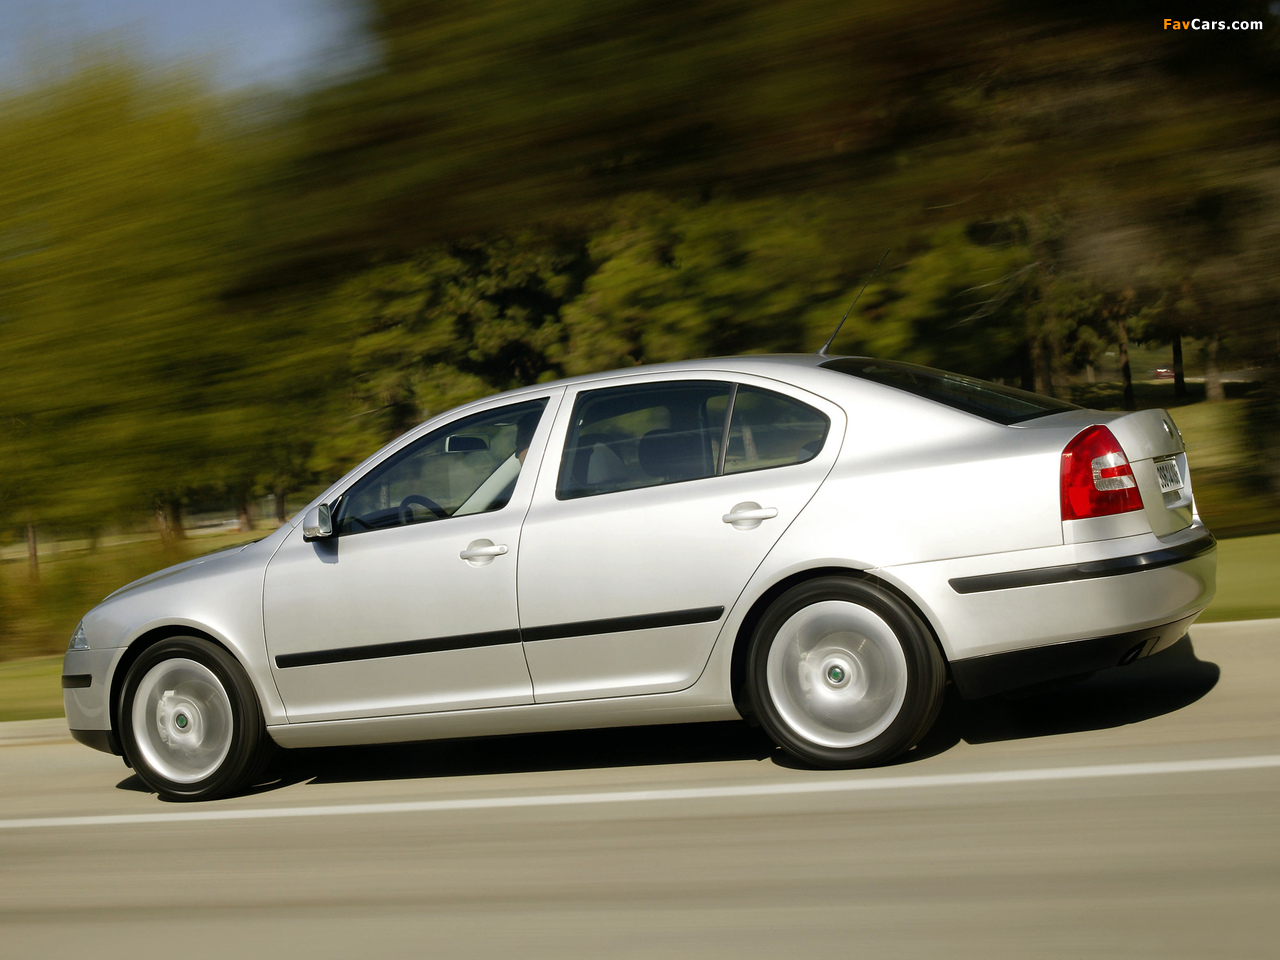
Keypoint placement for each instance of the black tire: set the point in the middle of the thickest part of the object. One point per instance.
(190, 722)
(841, 673)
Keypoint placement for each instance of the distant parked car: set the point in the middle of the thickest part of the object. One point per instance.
(1163, 373)
(821, 543)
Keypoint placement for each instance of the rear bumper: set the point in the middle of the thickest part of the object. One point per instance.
(1000, 672)
(1087, 592)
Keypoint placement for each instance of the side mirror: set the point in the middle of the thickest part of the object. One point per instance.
(317, 524)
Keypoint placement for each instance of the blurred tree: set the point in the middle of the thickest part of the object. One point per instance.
(451, 324)
(958, 303)
(491, 115)
(122, 225)
(677, 280)
(204, 295)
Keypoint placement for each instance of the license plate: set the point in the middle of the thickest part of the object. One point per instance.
(1170, 475)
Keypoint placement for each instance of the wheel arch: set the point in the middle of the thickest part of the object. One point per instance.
(140, 645)
(742, 641)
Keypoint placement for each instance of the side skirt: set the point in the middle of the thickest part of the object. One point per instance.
(685, 706)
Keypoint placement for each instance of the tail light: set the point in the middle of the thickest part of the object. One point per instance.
(1096, 478)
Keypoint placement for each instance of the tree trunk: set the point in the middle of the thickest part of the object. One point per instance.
(173, 511)
(282, 510)
(162, 523)
(1126, 374)
(1028, 369)
(1054, 364)
(1042, 381)
(1213, 390)
(1179, 372)
(244, 518)
(33, 553)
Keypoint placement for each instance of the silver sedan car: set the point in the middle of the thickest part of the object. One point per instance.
(820, 544)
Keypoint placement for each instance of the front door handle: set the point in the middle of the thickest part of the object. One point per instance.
(749, 515)
(480, 552)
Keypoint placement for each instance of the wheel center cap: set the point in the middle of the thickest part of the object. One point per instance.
(837, 672)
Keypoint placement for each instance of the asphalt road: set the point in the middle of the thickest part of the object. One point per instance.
(1136, 814)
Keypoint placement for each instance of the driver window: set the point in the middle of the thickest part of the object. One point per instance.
(469, 466)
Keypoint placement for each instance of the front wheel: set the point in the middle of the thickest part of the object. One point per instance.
(841, 673)
(190, 721)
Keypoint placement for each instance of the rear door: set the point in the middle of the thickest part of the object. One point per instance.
(635, 548)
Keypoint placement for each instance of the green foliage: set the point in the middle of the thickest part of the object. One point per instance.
(30, 689)
(672, 281)
(958, 305)
(205, 297)
(448, 325)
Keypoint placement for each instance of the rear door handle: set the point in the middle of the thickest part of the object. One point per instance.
(480, 552)
(749, 515)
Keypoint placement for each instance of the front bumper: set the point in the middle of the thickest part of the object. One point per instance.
(86, 691)
(104, 740)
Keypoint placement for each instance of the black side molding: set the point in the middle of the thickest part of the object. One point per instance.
(647, 621)
(398, 648)
(1090, 570)
(559, 631)
(76, 681)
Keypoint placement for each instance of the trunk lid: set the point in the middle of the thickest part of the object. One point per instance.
(1158, 457)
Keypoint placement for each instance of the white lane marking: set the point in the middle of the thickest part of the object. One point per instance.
(682, 793)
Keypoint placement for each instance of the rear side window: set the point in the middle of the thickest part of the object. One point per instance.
(770, 430)
(992, 401)
(623, 438)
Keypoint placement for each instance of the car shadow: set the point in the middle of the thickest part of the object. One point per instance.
(527, 753)
(1148, 688)
(1164, 683)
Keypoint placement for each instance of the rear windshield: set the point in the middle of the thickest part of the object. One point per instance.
(992, 401)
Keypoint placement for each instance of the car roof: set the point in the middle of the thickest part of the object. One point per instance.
(779, 366)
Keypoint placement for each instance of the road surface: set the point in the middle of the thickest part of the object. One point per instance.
(1136, 814)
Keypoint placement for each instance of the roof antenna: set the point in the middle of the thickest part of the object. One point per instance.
(822, 351)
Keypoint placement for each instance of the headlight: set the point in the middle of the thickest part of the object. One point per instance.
(78, 641)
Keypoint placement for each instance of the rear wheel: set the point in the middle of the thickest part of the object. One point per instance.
(842, 673)
(190, 721)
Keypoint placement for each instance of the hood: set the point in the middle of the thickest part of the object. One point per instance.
(181, 569)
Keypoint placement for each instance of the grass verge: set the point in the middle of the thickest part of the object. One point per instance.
(1248, 580)
(31, 689)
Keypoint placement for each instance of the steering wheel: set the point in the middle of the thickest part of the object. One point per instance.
(407, 515)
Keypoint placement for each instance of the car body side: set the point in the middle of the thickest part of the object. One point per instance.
(915, 495)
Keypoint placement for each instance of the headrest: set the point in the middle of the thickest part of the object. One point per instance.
(672, 454)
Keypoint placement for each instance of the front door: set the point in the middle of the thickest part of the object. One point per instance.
(411, 606)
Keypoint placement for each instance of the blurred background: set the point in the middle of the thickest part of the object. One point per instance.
(244, 244)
